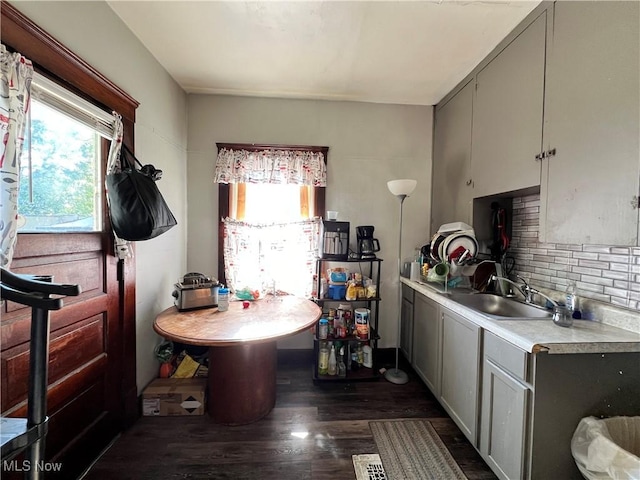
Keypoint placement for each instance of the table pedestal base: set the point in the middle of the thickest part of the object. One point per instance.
(242, 382)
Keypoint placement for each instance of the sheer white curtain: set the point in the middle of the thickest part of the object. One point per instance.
(261, 256)
(264, 256)
(15, 94)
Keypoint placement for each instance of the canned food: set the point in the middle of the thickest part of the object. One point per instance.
(362, 323)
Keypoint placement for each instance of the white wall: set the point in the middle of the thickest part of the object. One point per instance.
(94, 32)
(369, 144)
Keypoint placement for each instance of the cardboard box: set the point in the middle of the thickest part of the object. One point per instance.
(174, 396)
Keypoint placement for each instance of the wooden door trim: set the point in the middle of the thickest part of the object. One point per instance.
(46, 53)
(56, 61)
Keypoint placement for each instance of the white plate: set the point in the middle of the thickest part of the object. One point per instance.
(456, 240)
(436, 246)
(454, 227)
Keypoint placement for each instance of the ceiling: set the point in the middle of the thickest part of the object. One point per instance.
(404, 52)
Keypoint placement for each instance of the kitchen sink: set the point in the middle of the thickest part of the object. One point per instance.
(500, 308)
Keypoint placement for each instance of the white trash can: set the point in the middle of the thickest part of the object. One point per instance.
(608, 448)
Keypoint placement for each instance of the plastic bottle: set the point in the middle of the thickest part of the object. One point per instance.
(323, 328)
(333, 364)
(223, 299)
(323, 359)
(367, 352)
(571, 300)
(342, 368)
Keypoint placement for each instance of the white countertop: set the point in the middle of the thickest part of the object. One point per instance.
(585, 336)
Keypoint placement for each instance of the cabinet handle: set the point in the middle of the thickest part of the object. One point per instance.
(469, 182)
(539, 156)
(551, 153)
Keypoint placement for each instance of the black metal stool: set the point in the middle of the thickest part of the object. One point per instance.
(28, 434)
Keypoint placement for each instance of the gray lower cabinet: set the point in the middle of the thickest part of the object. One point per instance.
(406, 323)
(460, 367)
(426, 341)
(503, 429)
(518, 409)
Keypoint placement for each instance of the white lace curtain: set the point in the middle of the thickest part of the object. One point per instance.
(282, 255)
(15, 94)
(300, 167)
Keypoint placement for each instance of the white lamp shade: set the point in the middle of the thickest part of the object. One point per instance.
(402, 187)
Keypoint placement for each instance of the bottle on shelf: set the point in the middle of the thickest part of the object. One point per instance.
(333, 364)
(323, 359)
(323, 328)
(367, 353)
(342, 368)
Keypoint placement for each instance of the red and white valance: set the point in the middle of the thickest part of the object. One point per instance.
(298, 167)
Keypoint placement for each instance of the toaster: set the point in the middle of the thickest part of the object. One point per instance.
(196, 290)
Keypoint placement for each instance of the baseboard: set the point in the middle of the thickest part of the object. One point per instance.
(295, 356)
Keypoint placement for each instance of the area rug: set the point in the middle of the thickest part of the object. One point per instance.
(368, 467)
(412, 450)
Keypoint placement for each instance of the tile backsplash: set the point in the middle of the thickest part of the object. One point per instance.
(603, 273)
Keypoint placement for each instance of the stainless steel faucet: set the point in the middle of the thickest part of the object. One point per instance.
(527, 290)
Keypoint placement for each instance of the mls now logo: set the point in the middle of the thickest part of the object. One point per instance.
(27, 466)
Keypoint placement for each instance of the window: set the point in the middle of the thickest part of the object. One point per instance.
(60, 171)
(268, 203)
(59, 174)
(269, 237)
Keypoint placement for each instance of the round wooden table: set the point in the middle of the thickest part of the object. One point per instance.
(242, 350)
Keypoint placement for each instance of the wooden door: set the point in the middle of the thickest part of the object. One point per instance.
(85, 405)
(92, 391)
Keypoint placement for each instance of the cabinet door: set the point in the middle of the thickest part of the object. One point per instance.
(507, 115)
(452, 191)
(460, 367)
(426, 341)
(406, 332)
(592, 119)
(503, 429)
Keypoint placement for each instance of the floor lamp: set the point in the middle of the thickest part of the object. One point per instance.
(401, 189)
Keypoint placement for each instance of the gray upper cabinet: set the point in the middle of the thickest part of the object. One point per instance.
(590, 186)
(508, 115)
(452, 185)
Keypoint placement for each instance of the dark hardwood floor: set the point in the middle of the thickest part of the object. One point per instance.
(335, 415)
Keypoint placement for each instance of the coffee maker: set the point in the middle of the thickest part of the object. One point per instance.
(367, 245)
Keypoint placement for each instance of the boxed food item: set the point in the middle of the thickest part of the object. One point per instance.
(174, 396)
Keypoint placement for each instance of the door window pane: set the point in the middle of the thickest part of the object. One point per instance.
(59, 174)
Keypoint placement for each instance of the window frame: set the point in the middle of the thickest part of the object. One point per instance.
(224, 190)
